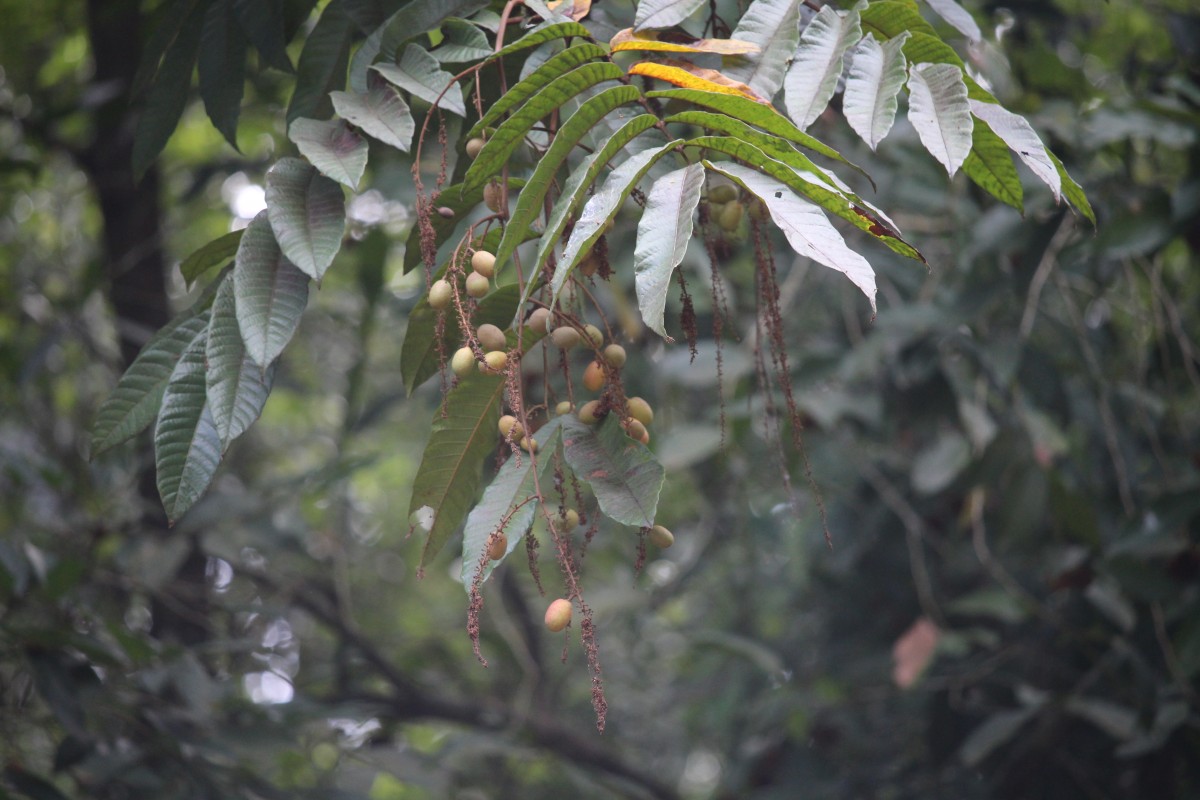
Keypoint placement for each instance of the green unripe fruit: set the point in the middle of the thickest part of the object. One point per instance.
(529, 444)
(587, 412)
(594, 334)
(731, 216)
(494, 361)
(493, 196)
(538, 320)
(484, 263)
(661, 538)
(614, 354)
(497, 547)
(477, 285)
(490, 337)
(463, 362)
(558, 615)
(564, 408)
(593, 377)
(759, 211)
(722, 193)
(440, 294)
(565, 337)
(640, 410)
(508, 424)
(473, 147)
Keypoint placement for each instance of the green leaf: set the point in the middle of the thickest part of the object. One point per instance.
(939, 112)
(168, 95)
(134, 403)
(380, 112)
(419, 74)
(271, 293)
(322, 65)
(263, 23)
(236, 388)
(556, 65)
(498, 149)
(168, 20)
(877, 73)
(460, 202)
(622, 473)
(804, 226)
(600, 209)
(463, 42)
(332, 148)
(187, 447)
(541, 35)
(818, 63)
(1073, 191)
(756, 114)
(663, 13)
(216, 252)
(222, 68)
(773, 25)
(307, 213)
(462, 438)
(30, 785)
(1021, 138)
(508, 501)
(410, 21)
(663, 235)
(991, 167)
(529, 201)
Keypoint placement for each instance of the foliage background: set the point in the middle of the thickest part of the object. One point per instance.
(1011, 450)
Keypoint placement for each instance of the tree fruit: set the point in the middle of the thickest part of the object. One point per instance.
(440, 294)
(494, 361)
(493, 196)
(564, 408)
(661, 538)
(722, 193)
(490, 337)
(759, 211)
(463, 362)
(587, 412)
(614, 354)
(508, 423)
(529, 444)
(566, 521)
(640, 410)
(595, 335)
(498, 546)
(565, 337)
(558, 615)
(637, 430)
(473, 147)
(484, 263)
(477, 285)
(445, 212)
(538, 320)
(731, 216)
(593, 377)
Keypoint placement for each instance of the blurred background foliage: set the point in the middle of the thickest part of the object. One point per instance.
(1009, 456)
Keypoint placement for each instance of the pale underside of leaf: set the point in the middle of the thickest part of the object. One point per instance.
(332, 148)
(420, 74)
(1020, 136)
(271, 293)
(817, 64)
(958, 17)
(622, 473)
(663, 235)
(664, 13)
(187, 447)
(938, 110)
(381, 112)
(237, 389)
(307, 213)
(807, 230)
(773, 25)
(877, 73)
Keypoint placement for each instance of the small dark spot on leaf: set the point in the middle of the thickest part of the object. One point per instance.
(778, 194)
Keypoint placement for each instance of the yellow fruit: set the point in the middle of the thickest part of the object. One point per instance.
(661, 538)
(497, 547)
(722, 193)
(594, 334)
(484, 263)
(538, 320)
(640, 410)
(587, 412)
(463, 362)
(566, 521)
(440, 294)
(564, 408)
(558, 615)
(493, 196)
(473, 147)
(509, 423)
(593, 377)
(637, 430)
(529, 444)
(614, 354)
(477, 285)
(731, 216)
(565, 337)
(493, 361)
(490, 337)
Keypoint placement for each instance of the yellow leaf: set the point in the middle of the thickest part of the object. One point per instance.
(678, 43)
(689, 76)
(576, 9)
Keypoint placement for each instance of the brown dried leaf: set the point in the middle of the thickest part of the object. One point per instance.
(913, 651)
